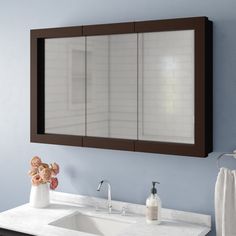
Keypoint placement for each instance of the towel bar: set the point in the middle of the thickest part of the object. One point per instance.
(225, 154)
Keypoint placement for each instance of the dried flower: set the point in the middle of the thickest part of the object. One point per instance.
(45, 174)
(33, 171)
(36, 180)
(55, 169)
(35, 162)
(43, 166)
(53, 183)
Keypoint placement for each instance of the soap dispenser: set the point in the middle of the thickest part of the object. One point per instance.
(153, 206)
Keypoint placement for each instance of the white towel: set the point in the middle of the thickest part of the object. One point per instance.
(225, 203)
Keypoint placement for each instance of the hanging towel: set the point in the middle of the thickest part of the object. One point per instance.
(225, 203)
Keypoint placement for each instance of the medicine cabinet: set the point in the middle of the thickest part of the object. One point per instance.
(138, 86)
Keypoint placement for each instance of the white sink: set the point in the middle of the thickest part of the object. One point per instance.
(92, 224)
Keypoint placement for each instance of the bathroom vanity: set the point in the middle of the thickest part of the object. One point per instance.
(74, 215)
(136, 86)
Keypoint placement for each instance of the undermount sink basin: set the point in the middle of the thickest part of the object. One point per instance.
(91, 224)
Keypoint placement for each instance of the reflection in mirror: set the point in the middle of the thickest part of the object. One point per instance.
(166, 86)
(112, 93)
(109, 73)
(97, 88)
(65, 86)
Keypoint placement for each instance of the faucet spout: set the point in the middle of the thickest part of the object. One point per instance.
(108, 193)
(99, 186)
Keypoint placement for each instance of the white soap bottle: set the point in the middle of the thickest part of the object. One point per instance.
(153, 206)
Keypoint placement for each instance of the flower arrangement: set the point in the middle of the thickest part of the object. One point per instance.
(42, 173)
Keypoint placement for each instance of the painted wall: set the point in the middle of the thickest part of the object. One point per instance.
(186, 183)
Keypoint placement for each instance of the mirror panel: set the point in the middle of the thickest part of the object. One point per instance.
(112, 86)
(65, 86)
(166, 86)
(97, 86)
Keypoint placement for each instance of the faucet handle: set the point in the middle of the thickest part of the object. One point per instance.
(109, 206)
(96, 205)
(124, 210)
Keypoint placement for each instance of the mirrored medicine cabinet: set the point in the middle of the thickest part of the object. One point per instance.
(138, 86)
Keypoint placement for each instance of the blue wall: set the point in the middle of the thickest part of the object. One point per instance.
(186, 183)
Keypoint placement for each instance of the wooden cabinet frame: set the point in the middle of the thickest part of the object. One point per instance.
(203, 86)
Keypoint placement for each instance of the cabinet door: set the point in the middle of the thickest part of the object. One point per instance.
(65, 86)
(6, 232)
(112, 86)
(166, 86)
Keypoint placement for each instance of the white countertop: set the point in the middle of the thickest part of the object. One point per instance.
(36, 221)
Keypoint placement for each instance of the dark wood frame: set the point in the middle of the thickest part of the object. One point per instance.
(203, 86)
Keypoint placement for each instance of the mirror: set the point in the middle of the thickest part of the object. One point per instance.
(112, 93)
(166, 86)
(65, 86)
(92, 86)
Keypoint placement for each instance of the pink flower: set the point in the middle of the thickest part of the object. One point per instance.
(45, 174)
(35, 162)
(55, 169)
(53, 183)
(42, 173)
(33, 171)
(36, 180)
(42, 166)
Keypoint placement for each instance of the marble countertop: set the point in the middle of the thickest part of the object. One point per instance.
(34, 221)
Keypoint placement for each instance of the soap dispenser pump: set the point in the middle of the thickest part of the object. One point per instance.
(153, 206)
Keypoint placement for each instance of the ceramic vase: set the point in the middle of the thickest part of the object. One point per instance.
(39, 196)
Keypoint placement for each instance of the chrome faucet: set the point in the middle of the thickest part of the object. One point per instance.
(108, 191)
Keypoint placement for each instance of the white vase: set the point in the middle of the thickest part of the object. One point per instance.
(39, 196)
